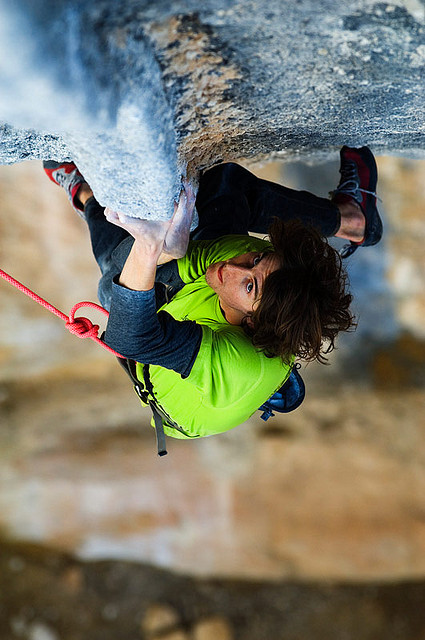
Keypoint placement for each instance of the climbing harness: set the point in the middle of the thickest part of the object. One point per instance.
(146, 394)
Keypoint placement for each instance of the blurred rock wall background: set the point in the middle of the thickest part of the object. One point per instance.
(333, 491)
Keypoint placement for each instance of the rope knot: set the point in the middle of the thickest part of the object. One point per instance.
(82, 327)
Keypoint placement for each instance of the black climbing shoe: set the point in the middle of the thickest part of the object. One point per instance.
(359, 176)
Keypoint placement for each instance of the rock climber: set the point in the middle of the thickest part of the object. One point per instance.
(214, 330)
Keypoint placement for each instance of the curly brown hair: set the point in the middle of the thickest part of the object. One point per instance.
(305, 302)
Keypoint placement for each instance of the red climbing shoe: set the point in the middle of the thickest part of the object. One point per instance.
(359, 176)
(66, 175)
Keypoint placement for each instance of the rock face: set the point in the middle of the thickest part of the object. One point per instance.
(140, 93)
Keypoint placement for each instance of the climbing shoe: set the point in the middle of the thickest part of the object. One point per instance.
(66, 175)
(359, 176)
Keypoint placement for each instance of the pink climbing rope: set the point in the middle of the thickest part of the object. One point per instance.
(80, 327)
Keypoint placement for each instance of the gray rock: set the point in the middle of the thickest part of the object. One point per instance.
(141, 93)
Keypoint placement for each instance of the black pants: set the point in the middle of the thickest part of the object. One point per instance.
(230, 200)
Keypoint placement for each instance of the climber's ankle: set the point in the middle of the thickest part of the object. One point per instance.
(352, 221)
(84, 193)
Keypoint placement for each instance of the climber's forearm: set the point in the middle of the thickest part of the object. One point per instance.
(139, 269)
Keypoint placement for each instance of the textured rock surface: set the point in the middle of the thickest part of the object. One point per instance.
(137, 92)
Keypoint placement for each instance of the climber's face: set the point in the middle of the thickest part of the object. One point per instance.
(239, 282)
